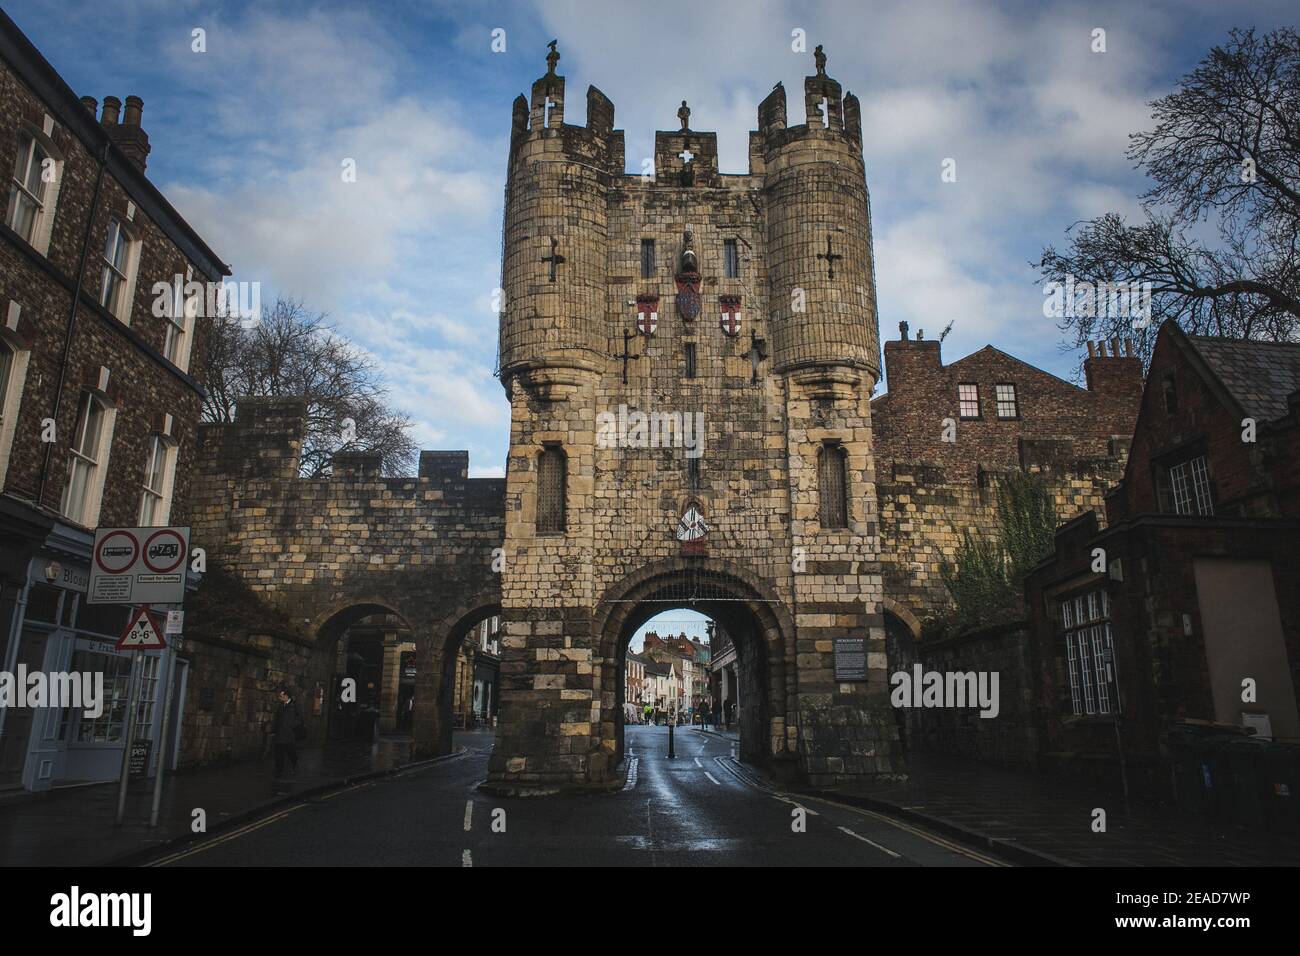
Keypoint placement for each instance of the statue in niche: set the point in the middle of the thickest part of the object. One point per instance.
(689, 262)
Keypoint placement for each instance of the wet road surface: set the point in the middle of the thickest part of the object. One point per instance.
(701, 808)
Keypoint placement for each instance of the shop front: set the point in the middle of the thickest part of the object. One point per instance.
(49, 627)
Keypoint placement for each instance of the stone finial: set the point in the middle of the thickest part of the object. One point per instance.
(820, 59)
(902, 331)
(552, 58)
(684, 114)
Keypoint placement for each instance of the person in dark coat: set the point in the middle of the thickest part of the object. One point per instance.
(285, 732)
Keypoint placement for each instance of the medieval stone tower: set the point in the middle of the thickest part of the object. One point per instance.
(640, 307)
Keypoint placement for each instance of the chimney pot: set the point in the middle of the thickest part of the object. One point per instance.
(1128, 347)
(1092, 349)
(1114, 347)
(134, 107)
(111, 106)
(92, 104)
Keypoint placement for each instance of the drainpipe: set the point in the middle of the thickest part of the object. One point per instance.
(15, 630)
(72, 320)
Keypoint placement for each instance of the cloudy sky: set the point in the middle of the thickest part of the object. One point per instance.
(249, 138)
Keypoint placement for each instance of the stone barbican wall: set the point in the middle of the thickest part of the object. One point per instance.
(924, 512)
(325, 552)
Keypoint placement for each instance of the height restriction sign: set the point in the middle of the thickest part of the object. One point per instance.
(138, 566)
(142, 634)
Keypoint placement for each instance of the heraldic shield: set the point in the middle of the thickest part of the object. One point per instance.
(647, 314)
(688, 295)
(730, 314)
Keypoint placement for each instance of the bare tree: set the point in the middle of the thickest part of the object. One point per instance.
(292, 352)
(1218, 243)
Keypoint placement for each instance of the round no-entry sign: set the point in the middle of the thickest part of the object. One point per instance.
(164, 551)
(117, 552)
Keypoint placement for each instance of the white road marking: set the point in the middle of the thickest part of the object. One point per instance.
(808, 810)
(631, 773)
(465, 859)
(469, 816)
(698, 764)
(882, 849)
(712, 777)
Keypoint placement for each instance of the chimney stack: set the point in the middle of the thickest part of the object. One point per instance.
(128, 136)
(92, 104)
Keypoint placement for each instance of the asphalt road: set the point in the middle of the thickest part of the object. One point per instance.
(701, 808)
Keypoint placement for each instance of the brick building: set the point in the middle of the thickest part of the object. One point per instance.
(945, 432)
(98, 400)
(1193, 584)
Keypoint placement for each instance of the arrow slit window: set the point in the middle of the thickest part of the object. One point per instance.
(552, 466)
(730, 259)
(647, 258)
(832, 486)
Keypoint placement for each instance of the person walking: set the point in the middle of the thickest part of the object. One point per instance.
(286, 730)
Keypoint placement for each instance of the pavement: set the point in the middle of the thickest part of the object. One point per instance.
(74, 826)
(1034, 818)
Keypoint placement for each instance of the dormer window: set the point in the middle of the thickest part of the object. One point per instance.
(1189, 487)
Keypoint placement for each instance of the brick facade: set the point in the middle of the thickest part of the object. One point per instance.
(62, 347)
(932, 489)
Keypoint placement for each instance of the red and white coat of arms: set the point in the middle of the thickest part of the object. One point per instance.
(647, 314)
(730, 314)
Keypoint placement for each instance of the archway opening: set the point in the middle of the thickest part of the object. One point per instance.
(721, 639)
(370, 653)
(469, 683)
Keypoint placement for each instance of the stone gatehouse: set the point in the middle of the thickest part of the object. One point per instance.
(690, 358)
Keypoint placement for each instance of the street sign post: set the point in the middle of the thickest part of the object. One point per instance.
(138, 566)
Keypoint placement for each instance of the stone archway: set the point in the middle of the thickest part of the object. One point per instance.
(434, 723)
(741, 604)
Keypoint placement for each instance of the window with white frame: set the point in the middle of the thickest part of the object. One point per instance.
(13, 370)
(179, 314)
(89, 451)
(968, 400)
(33, 190)
(117, 273)
(156, 492)
(1189, 487)
(1089, 645)
(1005, 395)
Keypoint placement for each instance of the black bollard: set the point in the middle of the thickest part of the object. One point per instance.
(672, 754)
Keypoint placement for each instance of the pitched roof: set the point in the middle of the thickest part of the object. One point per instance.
(1258, 375)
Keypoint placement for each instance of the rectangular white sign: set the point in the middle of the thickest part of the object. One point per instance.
(139, 566)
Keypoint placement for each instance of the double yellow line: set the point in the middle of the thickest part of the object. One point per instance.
(248, 828)
(936, 840)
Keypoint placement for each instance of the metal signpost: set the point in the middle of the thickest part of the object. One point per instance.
(141, 566)
(142, 634)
